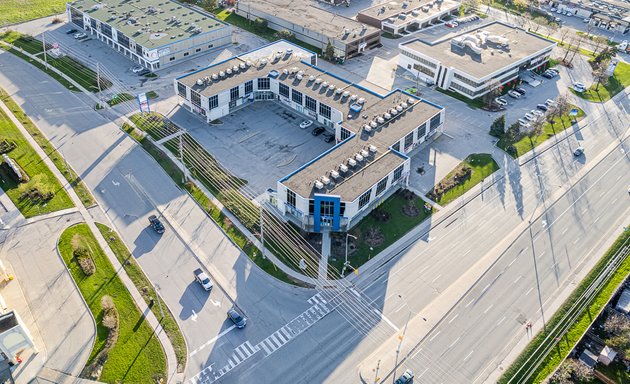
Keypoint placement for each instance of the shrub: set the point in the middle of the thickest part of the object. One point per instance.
(497, 129)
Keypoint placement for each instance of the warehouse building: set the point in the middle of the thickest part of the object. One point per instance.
(152, 33)
(476, 61)
(313, 25)
(374, 133)
(610, 15)
(408, 16)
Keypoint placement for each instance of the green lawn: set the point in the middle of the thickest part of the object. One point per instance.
(75, 181)
(616, 371)
(525, 144)
(135, 273)
(83, 75)
(18, 11)
(580, 322)
(482, 165)
(40, 175)
(474, 103)
(137, 356)
(619, 80)
(267, 33)
(393, 229)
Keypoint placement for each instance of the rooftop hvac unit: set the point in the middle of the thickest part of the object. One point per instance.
(387, 116)
(263, 61)
(411, 100)
(318, 80)
(298, 76)
(221, 74)
(343, 168)
(301, 73)
(346, 31)
(353, 97)
(399, 108)
(294, 69)
(319, 184)
(285, 71)
(372, 148)
(249, 63)
(404, 105)
(332, 87)
(228, 71)
(280, 52)
(346, 94)
(361, 100)
(206, 79)
(358, 157)
(325, 84)
(393, 111)
(243, 65)
(199, 81)
(311, 78)
(364, 153)
(334, 174)
(367, 128)
(380, 120)
(352, 162)
(415, 12)
(325, 180)
(235, 68)
(373, 124)
(214, 76)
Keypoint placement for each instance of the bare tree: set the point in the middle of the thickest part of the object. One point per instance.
(564, 32)
(551, 28)
(576, 48)
(536, 128)
(470, 5)
(599, 41)
(489, 97)
(617, 324)
(570, 371)
(600, 74)
(539, 22)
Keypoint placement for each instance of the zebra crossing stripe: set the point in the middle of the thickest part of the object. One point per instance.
(241, 354)
(280, 337)
(286, 333)
(274, 341)
(237, 360)
(231, 364)
(265, 347)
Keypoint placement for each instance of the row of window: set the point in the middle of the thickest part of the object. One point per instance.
(419, 59)
(423, 69)
(326, 208)
(380, 187)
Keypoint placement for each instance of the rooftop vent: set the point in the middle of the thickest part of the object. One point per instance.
(346, 94)
(325, 180)
(221, 74)
(298, 76)
(318, 80)
(411, 100)
(339, 91)
(361, 100)
(228, 71)
(263, 62)
(393, 111)
(399, 108)
(387, 116)
(373, 124)
(199, 81)
(235, 68)
(364, 153)
(311, 78)
(214, 76)
(334, 174)
(353, 97)
(352, 162)
(301, 73)
(358, 157)
(325, 84)
(319, 184)
(243, 65)
(285, 71)
(249, 63)
(372, 148)
(367, 128)
(404, 105)
(343, 168)
(380, 120)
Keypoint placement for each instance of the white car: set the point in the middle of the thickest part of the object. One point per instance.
(553, 9)
(137, 69)
(501, 101)
(79, 35)
(579, 87)
(536, 112)
(305, 124)
(550, 103)
(514, 94)
(203, 279)
(587, 20)
(529, 117)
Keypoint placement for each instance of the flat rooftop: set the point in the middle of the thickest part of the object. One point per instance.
(302, 14)
(414, 9)
(151, 23)
(521, 44)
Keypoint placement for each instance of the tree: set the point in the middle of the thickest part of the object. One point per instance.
(285, 34)
(564, 32)
(539, 22)
(329, 52)
(576, 48)
(617, 324)
(536, 128)
(513, 133)
(494, 91)
(600, 74)
(551, 28)
(469, 5)
(599, 41)
(520, 4)
(497, 129)
(605, 55)
(570, 371)
(208, 5)
(260, 25)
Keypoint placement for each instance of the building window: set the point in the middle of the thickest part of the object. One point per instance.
(234, 93)
(211, 45)
(408, 140)
(106, 30)
(139, 49)
(291, 198)
(396, 147)
(364, 199)
(181, 89)
(327, 208)
(435, 121)
(249, 87)
(171, 58)
(398, 173)
(195, 98)
(344, 134)
(296, 96)
(380, 187)
(424, 70)
(311, 207)
(422, 131)
(324, 110)
(284, 90)
(264, 83)
(311, 104)
(123, 40)
(198, 50)
(213, 102)
(186, 54)
(419, 59)
(342, 208)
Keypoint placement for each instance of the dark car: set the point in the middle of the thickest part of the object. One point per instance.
(405, 378)
(156, 224)
(542, 107)
(318, 131)
(328, 137)
(547, 75)
(71, 31)
(144, 72)
(520, 90)
(237, 318)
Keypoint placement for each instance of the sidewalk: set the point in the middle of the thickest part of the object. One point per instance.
(173, 376)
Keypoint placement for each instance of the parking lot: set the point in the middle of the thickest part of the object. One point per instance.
(260, 143)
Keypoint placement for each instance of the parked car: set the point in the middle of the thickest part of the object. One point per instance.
(548, 75)
(520, 90)
(529, 116)
(143, 72)
(514, 94)
(318, 131)
(450, 25)
(305, 124)
(455, 23)
(557, 20)
(501, 101)
(587, 20)
(71, 31)
(79, 35)
(523, 123)
(554, 71)
(536, 112)
(405, 378)
(579, 151)
(579, 87)
(429, 81)
(236, 317)
(203, 279)
(328, 137)
(553, 9)
(559, 12)
(542, 107)
(137, 68)
(156, 224)
(550, 103)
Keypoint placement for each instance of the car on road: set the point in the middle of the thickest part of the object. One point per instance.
(306, 123)
(557, 20)
(514, 94)
(450, 25)
(79, 35)
(328, 137)
(137, 68)
(156, 224)
(542, 107)
(579, 87)
(239, 320)
(203, 279)
(318, 131)
(529, 116)
(71, 31)
(579, 151)
(587, 20)
(405, 378)
(501, 101)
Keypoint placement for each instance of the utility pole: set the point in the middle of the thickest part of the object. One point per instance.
(157, 297)
(44, 48)
(542, 312)
(378, 364)
(262, 234)
(181, 158)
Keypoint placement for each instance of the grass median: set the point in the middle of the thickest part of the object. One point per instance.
(135, 355)
(19, 11)
(615, 84)
(145, 287)
(562, 343)
(71, 176)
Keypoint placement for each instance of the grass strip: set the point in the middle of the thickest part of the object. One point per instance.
(145, 287)
(19, 11)
(616, 83)
(564, 342)
(473, 103)
(75, 181)
(137, 356)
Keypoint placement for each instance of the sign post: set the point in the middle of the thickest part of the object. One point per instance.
(143, 102)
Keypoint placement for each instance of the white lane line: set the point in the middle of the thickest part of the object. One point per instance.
(540, 254)
(595, 221)
(602, 194)
(470, 302)
(415, 354)
(400, 307)
(486, 311)
(454, 342)
(434, 336)
(209, 342)
(518, 278)
(423, 372)
(500, 321)
(453, 318)
(528, 291)
(565, 231)
(614, 201)
(468, 355)
(576, 240)
(355, 292)
(436, 277)
(467, 252)
(386, 320)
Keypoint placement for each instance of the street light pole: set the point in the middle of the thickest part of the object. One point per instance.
(542, 312)
(400, 338)
(345, 264)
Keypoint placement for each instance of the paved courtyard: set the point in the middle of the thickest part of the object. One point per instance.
(260, 143)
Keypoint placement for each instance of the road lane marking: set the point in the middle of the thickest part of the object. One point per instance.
(614, 201)
(517, 279)
(453, 318)
(386, 320)
(565, 231)
(540, 254)
(415, 354)
(528, 291)
(467, 252)
(487, 309)
(576, 240)
(500, 321)
(602, 194)
(468, 355)
(595, 221)
(437, 277)
(511, 262)
(434, 336)
(400, 307)
(423, 372)
(454, 342)
(209, 342)
(470, 302)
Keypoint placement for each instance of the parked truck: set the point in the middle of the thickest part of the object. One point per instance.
(203, 279)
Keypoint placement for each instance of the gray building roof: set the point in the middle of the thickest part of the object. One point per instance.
(303, 15)
(522, 44)
(150, 23)
(389, 9)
